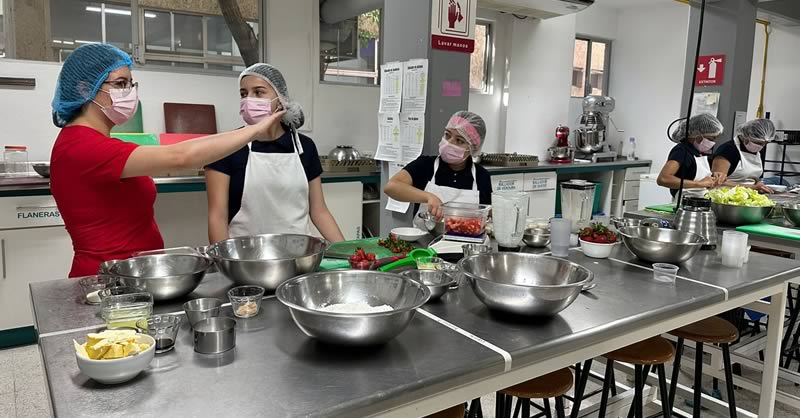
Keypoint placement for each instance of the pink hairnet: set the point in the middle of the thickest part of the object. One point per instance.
(470, 126)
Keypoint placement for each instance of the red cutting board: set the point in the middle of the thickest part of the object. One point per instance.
(169, 139)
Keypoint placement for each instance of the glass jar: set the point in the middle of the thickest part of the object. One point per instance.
(16, 160)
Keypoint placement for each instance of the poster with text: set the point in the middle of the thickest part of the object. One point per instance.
(389, 147)
(412, 135)
(391, 87)
(415, 85)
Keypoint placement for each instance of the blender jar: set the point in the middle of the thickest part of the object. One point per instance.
(509, 211)
(577, 201)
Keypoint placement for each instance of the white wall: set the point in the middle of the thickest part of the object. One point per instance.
(490, 105)
(335, 114)
(539, 85)
(647, 66)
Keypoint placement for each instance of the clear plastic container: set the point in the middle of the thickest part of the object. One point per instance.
(15, 158)
(665, 273)
(465, 219)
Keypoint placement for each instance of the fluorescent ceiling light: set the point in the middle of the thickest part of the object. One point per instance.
(80, 41)
(113, 11)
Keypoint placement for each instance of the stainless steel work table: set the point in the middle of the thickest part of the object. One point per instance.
(453, 351)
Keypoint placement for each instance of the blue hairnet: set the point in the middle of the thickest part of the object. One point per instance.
(82, 74)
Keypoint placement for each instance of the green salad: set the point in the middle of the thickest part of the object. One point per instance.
(739, 196)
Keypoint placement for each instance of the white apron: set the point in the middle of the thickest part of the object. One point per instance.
(448, 194)
(749, 169)
(703, 171)
(275, 195)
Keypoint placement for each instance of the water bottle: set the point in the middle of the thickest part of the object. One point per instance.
(631, 154)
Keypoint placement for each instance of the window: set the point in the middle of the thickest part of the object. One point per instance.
(480, 62)
(594, 55)
(173, 33)
(350, 50)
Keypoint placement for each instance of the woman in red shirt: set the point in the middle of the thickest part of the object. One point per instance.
(102, 185)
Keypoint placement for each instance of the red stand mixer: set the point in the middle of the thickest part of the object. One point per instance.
(561, 152)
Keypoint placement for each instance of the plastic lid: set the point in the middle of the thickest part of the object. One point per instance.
(16, 148)
(577, 184)
(696, 202)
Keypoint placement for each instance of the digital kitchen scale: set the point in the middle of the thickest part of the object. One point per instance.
(595, 157)
(449, 244)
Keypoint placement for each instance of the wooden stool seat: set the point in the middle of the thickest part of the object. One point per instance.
(713, 330)
(656, 350)
(550, 385)
(454, 412)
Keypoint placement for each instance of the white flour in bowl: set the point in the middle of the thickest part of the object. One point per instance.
(355, 308)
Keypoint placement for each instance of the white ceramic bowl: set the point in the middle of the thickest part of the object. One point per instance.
(596, 250)
(118, 370)
(409, 234)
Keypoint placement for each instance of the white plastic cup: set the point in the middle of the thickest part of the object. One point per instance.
(734, 248)
(560, 230)
(747, 255)
(665, 273)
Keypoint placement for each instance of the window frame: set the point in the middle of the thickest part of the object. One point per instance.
(587, 85)
(488, 59)
(377, 73)
(138, 48)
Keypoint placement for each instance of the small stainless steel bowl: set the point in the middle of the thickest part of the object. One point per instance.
(200, 309)
(214, 335)
(792, 213)
(166, 276)
(437, 281)
(740, 215)
(306, 295)
(267, 260)
(536, 237)
(659, 245)
(42, 169)
(525, 284)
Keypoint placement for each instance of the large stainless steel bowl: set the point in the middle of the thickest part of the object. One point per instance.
(660, 245)
(267, 260)
(740, 215)
(792, 213)
(589, 140)
(344, 153)
(42, 169)
(525, 284)
(437, 281)
(165, 276)
(305, 295)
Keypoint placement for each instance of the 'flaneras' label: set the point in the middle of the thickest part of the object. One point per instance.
(50, 212)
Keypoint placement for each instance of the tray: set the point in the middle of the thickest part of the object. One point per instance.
(509, 160)
(364, 165)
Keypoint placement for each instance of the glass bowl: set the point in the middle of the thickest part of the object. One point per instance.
(163, 329)
(246, 300)
(92, 285)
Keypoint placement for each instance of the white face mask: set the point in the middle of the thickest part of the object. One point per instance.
(123, 105)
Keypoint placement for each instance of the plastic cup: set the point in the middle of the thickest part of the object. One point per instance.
(560, 230)
(734, 248)
(665, 273)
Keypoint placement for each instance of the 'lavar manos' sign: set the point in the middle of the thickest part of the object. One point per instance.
(453, 25)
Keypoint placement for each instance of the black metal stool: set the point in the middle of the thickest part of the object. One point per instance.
(643, 355)
(713, 330)
(454, 412)
(552, 385)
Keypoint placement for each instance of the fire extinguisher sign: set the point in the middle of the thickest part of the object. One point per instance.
(453, 25)
(710, 70)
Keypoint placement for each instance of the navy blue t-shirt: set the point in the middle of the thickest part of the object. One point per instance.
(730, 151)
(421, 171)
(235, 165)
(684, 154)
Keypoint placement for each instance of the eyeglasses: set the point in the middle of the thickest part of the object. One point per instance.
(123, 84)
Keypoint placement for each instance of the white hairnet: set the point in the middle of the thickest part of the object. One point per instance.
(294, 112)
(470, 126)
(757, 129)
(703, 124)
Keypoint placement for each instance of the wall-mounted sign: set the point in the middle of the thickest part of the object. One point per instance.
(453, 25)
(710, 70)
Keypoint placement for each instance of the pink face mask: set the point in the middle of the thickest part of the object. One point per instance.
(450, 153)
(753, 147)
(253, 109)
(123, 105)
(704, 146)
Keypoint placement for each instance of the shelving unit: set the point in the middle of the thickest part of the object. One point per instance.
(790, 138)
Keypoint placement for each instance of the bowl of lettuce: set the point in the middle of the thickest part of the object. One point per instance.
(739, 205)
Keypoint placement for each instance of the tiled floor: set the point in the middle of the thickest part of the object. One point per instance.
(22, 387)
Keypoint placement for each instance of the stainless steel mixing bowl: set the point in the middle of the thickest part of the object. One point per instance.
(165, 276)
(267, 260)
(536, 237)
(659, 245)
(792, 213)
(740, 215)
(525, 284)
(437, 281)
(42, 169)
(305, 295)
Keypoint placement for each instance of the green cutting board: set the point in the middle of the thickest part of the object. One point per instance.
(369, 245)
(141, 139)
(666, 208)
(771, 231)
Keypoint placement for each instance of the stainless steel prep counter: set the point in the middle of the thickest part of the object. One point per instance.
(453, 351)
